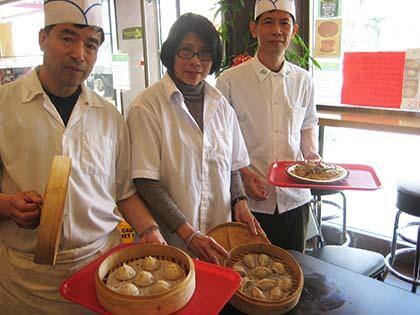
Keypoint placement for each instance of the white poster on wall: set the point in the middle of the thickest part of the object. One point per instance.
(120, 71)
(411, 84)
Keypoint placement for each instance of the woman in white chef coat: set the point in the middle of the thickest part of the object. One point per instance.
(187, 147)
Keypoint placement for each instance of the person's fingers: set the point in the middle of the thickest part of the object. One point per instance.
(32, 197)
(259, 228)
(218, 248)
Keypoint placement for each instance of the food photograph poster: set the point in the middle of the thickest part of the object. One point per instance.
(328, 38)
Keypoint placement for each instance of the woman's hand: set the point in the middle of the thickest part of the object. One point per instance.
(244, 215)
(207, 249)
(255, 185)
(153, 237)
(25, 209)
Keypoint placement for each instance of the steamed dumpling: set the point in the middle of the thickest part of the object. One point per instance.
(261, 272)
(275, 294)
(128, 289)
(278, 268)
(239, 269)
(173, 272)
(249, 261)
(144, 279)
(125, 272)
(247, 285)
(151, 263)
(266, 284)
(285, 283)
(160, 286)
(257, 293)
(264, 260)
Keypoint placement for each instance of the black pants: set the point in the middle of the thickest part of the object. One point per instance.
(286, 230)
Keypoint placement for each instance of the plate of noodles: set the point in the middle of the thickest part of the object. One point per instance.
(317, 172)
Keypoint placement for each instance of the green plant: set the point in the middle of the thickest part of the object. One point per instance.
(298, 53)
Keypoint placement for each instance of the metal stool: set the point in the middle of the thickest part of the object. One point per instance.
(317, 208)
(408, 201)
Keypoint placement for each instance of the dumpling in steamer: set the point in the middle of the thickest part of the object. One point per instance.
(125, 272)
(160, 286)
(144, 279)
(264, 260)
(128, 289)
(266, 284)
(249, 261)
(239, 269)
(261, 272)
(285, 283)
(151, 263)
(275, 294)
(278, 268)
(257, 293)
(172, 272)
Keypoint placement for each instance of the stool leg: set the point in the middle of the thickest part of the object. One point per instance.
(344, 235)
(394, 237)
(416, 262)
(394, 243)
(317, 215)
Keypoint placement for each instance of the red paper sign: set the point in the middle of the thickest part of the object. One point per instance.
(373, 79)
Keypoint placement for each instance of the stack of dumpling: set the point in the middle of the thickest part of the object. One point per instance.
(263, 278)
(145, 276)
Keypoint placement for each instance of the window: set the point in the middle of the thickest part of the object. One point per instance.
(368, 25)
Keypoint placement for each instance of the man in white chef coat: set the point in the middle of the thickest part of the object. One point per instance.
(51, 112)
(274, 101)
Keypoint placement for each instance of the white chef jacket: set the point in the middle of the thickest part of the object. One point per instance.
(193, 166)
(273, 109)
(97, 140)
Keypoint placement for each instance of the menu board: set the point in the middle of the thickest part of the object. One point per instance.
(411, 85)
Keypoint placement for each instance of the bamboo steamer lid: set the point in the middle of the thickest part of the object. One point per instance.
(233, 234)
(49, 230)
(252, 306)
(157, 304)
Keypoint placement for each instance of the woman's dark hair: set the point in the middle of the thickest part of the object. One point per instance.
(198, 25)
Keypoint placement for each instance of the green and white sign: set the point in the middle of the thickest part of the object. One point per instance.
(135, 32)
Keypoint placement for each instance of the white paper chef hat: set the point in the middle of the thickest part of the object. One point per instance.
(85, 12)
(262, 6)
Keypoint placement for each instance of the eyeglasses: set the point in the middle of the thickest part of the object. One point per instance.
(203, 55)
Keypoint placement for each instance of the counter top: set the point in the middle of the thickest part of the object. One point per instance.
(370, 119)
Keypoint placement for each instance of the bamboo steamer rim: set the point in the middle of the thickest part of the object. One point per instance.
(187, 265)
(279, 254)
(234, 227)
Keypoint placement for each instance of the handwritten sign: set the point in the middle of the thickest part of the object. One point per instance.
(373, 79)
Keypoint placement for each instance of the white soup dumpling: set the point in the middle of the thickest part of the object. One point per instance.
(144, 279)
(160, 286)
(151, 263)
(239, 269)
(129, 289)
(278, 268)
(173, 272)
(125, 272)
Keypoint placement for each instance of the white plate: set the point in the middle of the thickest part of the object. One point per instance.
(345, 173)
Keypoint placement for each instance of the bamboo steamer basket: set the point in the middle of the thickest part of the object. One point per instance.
(232, 234)
(251, 306)
(162, 303)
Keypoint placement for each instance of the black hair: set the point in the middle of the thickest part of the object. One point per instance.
(198, 25)
(97, 29)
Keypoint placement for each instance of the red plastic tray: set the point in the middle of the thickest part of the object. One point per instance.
(361, 177)
(215, 286)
